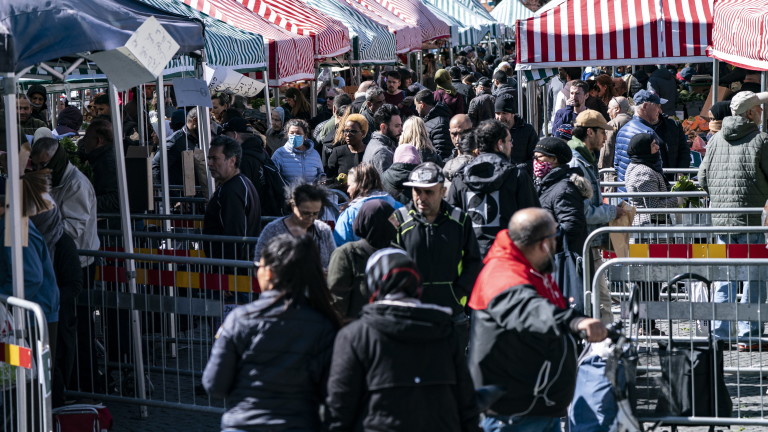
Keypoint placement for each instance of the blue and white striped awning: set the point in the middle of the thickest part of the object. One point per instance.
(372, 43)
(463, 11)
(509, 11)
(225, 45)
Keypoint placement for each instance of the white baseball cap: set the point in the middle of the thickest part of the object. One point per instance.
(744, 100)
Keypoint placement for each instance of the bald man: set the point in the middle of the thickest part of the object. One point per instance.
(523, 329)
(459, 126)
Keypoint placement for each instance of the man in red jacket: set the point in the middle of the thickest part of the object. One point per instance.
(522, 334)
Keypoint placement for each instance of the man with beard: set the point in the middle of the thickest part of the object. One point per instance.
(436, 117)
(440, 240)
(381, 147)
(459, 126)
(27, 123)
(523, 333)
(524, 136)
(573, 106)
(397, 97)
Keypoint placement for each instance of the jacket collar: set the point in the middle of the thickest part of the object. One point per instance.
(579, 146)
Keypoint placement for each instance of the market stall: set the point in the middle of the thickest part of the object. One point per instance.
(290, 57)
(416, 13)
(407, 36)
(372, 43)
(740, 33)
(330, 37)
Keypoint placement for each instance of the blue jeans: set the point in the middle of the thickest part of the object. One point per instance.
(725, 292)
(520, 424)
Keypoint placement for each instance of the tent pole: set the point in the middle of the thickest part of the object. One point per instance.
(141, 106)
(450, 50)
(408, 60)
(160, 91)
(13, 214)
(313, 92)
(130, 265)
(52, 106)
(163, 152)
(715, 79)
(764, 87)
(277, 96)
(520, 92)
(204, 127)
(266, 101)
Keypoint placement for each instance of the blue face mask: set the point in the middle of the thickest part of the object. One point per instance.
(296, 140)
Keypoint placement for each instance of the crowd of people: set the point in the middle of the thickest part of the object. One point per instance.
(434, 280)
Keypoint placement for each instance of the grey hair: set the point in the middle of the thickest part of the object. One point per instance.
(192, 114)
(372, 93)
(49, 146)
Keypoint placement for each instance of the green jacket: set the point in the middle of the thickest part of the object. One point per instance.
(735, 170)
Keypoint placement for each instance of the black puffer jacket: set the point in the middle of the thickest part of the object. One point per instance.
(524, 139)
(393, 180)
(675, 149)
(400, 368)
(507, 89)
(491, 189)
(270, 362)
(102, 161)
(436, 122)
(481, 108)
(252, 164)
(562, 192)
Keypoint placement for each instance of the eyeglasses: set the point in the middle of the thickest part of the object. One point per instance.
(558, 232)
(350, 132)
(330, 97)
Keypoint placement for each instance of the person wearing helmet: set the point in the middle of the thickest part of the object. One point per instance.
(400, 365)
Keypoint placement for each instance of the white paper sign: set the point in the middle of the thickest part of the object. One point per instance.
(228, 80)
(192, 92)
(141, 59)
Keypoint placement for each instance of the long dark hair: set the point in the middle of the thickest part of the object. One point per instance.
(297, 273)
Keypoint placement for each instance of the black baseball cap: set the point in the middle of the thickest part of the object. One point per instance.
(237, 124)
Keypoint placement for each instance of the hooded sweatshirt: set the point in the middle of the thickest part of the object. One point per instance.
(490, 189)
(397, 368)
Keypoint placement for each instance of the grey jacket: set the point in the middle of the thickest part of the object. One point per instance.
(735, 171)
(380, 152)
(77, 202)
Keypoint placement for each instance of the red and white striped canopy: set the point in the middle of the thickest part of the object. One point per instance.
(289, 56)
(407, 36)
(416, 13)
(330, 36)
(616, 32)
(740, 33)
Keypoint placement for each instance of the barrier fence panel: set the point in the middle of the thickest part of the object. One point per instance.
(183, 296)
(716, 381)
(25, 367)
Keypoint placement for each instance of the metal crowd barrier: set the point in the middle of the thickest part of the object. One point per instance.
(182, 299)
(25, 367)
(702, 371)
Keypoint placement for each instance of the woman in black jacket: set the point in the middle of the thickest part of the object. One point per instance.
(271, 356)
(562, 190)
(375, 226)
(399, 368)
